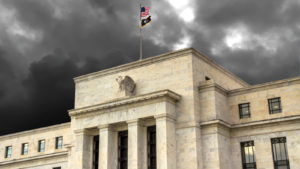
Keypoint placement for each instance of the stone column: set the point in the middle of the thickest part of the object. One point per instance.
(82, 152)
(165, 142)
(108, 151)
(137, 145)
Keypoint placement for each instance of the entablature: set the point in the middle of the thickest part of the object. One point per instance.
(166, 94)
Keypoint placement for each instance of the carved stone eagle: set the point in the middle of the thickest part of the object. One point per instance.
(126, 84)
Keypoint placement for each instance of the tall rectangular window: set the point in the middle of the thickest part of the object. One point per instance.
(244, 110)
(8, 151)
(123, 149)
(95, 152)
(58, 142)
(280, 154)
(248, 157)
(274, 105)
(41, 147)
(151, 147)
(24, 149)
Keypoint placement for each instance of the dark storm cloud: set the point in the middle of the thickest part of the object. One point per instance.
(72, 38)
(275, 22)
(59, 40)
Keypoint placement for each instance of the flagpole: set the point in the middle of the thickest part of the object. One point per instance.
(141, 38)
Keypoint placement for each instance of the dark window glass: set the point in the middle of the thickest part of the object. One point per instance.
(8, 151)
(96, 152)
(280, 154)
(58, 142)
(41, 147)
(123, 149)
(248, 158)
(274, 105)
(244, 110)
(152, 147)
(24, 148)
(57, 168)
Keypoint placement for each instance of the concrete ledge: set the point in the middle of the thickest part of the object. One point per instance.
(64, 153)
(127, 100)
(249, 124)
(265, 86)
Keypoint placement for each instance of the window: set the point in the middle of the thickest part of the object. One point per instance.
(24, 149)
(244, 110)
(280, 154)
(248, 158)
(58, 142)
(56, 168)
(41, 146)
(96, 152)
(274, 105)
(123, 149)
(8, 151)
(151, 147)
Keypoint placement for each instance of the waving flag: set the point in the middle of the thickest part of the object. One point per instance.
(145, 11)
(144, 22)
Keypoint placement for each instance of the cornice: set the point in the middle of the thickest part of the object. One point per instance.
(160, 58)
(265, 86)
(126, 100)
(250, 124)
(210, 85)
(135, 64)
(42, 129)
(63, 153)
(212, 63)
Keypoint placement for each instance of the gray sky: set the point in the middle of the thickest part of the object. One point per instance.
(45, 43)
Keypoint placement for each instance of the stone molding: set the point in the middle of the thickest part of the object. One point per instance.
(64, 153)
(160, 58)
(166, 116)
(265, 86)
(168, 94)
(42, 129)
(250, 124)
(210, 85)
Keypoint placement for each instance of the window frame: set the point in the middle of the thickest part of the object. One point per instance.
(281, 162)
(39, 145)
(8, 155)
(272, 101)
(245, 164)
(241, 107)
(57, 141)
(23, 152)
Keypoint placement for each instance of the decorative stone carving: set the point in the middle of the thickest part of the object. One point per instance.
(126, 85)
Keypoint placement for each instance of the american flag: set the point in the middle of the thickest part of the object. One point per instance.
(145, 11)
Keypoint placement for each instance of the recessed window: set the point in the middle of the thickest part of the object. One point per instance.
(56, 168)
(274, 105)
(280, 154)
(58, 142)
(96, 152)
(151, 147)
(24, 149)
(8, 151)
(41, 147)
(248, 158)
(244, 110)
(123, 149)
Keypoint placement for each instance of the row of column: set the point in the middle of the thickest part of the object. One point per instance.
(137, 146)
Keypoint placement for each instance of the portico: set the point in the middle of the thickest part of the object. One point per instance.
(133, 114)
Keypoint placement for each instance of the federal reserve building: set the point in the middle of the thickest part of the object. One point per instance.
(178, 110)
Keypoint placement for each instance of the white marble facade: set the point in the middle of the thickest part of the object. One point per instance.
(191, 101)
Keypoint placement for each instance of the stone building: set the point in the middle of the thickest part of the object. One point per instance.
(178, 110)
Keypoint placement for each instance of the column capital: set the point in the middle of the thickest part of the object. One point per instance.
(165, 116)
(135, 122)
